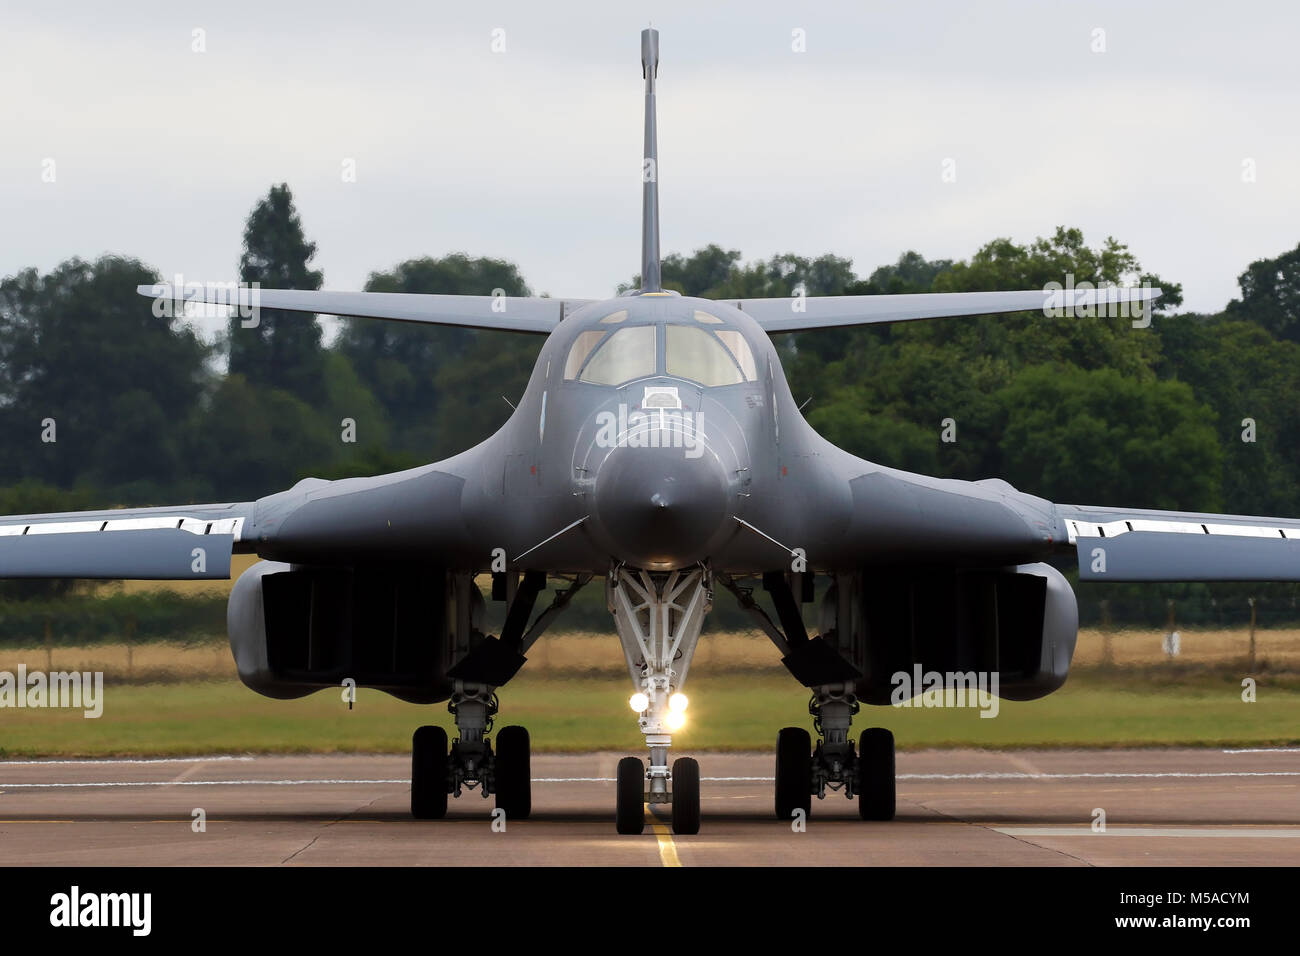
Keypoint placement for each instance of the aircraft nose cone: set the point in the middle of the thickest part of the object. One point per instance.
(660, 508)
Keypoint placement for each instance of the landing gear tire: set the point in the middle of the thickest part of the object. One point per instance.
(793, 772)
(876, 774)
(629, 813)
(429, 780)
(514, 773)
(686, 795)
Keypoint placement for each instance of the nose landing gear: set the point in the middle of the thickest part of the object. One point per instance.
(658, 616)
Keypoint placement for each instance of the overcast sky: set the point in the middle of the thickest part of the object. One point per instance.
(533, 154)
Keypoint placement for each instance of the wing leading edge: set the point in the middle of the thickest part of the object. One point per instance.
(513, 313)
(797, 314)
(1118, 544)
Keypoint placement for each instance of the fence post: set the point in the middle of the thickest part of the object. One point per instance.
(1107, 652)
(1172, 639)
(1253, 611)
(130, 644)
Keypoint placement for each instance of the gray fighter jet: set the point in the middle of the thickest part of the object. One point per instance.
(657, 447)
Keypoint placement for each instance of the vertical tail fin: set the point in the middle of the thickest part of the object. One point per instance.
(650, 276)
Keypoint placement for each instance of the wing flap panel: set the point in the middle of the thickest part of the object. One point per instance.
(145, 554)
(1243, 555)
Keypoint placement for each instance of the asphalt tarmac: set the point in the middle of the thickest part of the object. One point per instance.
(1162, 807)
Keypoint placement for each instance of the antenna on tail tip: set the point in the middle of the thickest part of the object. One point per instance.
(649, 54)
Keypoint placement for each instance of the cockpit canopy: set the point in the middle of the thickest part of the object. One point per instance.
(708, 353)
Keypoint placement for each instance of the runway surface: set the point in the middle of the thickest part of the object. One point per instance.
(1162, 807)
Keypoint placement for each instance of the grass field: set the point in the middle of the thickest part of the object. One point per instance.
(1277, 652)
(575, 699)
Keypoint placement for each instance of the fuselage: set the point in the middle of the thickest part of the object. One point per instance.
(656, 431)
(657, 421)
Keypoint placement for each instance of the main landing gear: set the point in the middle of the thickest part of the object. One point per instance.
(802, 770)
(471, 762)
(484, 663)
(824, 664)
(658, 616)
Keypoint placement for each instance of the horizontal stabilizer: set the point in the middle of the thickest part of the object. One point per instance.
(798, 313)
(513, 313)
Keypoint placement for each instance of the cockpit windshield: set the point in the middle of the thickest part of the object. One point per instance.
(581, 351)
(739, 348)
(690, 352)
(620, 357)
(695, 354)
(701, 353)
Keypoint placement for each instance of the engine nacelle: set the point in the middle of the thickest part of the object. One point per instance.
(1021, 623)
(295, 630)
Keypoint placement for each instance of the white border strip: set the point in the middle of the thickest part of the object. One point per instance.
(198, 526)
(1076, 528)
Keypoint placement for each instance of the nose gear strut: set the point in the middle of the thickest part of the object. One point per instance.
(658, 616)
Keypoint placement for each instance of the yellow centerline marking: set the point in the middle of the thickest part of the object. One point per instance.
(667, 849)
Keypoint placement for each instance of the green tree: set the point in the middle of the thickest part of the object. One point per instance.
(283, 350)
(1270, 295)
(118, 381)
(1250, 380)
(716, 273)
(910, 274)
(925, 372)
(1098, 437)
(1032, 338)
(882, 438)
(805, 354)
(425, 376)
(700, 273)
(257, 441)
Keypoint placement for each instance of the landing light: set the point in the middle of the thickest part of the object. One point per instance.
(639, 703)
(675, 720)
(677, 703)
